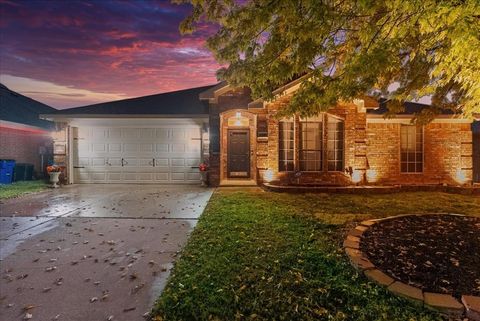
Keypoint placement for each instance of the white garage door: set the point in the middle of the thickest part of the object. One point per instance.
(166, 154)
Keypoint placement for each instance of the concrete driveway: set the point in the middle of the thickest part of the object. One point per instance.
(92, 252)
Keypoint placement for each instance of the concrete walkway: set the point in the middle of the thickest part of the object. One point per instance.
(92, 252)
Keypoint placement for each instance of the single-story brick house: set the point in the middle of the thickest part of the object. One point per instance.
(162, 139)
(24, 137)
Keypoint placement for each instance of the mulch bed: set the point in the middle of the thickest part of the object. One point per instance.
(437, 253)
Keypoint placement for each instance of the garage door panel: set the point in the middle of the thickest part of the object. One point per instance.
(114, 161)
(83, 146)
(177, 148)
(177, 134)
(130, 162)
(147, 133)
(97, 161)
(114, 177)
(178, 176)
(177, 162)
(114, 147)
(145, 148)
(114, 133)
(161, 148)
(162, 133)
(161, 177)
(130, 133)
(193, 177)
(193, 148)
(130, 147)
(161, 162)
(193, 161)
(98, 176)
(148, 177)
(99, 133)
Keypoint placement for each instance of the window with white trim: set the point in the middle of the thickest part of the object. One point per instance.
(411, 149)
(286, 140)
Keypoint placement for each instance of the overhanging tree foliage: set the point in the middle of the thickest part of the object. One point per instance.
(401, 49)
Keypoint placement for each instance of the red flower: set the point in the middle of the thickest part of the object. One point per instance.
(54, 169)
(203, 167)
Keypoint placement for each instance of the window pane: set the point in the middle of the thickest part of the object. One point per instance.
(335, 144)
(285, 146)
(411, 149)
(311, 146)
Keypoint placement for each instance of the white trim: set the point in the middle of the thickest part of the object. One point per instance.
(70, 155)
(69, 117)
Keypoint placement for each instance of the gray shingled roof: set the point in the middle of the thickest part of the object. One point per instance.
(17, 108)
(410, 108)
(181, 102)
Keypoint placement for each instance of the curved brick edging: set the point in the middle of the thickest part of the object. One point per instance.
(444, 303)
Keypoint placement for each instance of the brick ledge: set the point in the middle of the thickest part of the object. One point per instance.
(373, 189)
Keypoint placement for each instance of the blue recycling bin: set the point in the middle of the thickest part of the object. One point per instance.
(6, 171)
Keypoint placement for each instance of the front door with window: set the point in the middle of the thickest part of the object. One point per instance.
(238, 153)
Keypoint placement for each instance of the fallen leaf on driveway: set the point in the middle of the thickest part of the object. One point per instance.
(129, 309)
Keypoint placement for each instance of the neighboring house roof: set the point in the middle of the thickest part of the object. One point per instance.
(17, 108)
(410, 108)
(181, 102)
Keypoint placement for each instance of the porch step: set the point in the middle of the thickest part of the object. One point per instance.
(238, 182)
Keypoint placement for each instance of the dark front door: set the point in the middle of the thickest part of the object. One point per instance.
(238, 153)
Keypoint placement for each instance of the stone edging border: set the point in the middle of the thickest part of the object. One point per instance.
(444, 303)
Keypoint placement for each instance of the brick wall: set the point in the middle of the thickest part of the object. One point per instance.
(447, 154)
(23, 146)
(354, 155)
(372, 149)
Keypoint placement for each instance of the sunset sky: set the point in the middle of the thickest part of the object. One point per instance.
(73, 53)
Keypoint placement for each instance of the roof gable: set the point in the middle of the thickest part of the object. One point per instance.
(21, 109)
(181, 102)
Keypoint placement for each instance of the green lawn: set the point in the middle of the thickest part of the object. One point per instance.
(258, 255)
(19, 188)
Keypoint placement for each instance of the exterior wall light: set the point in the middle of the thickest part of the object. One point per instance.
(372, 175)
(268, 176)
(461, 176)
(356, 176)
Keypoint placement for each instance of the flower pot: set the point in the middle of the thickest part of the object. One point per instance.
(204, 178)
(54, 179)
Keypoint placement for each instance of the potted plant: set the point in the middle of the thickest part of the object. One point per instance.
(54, 172)
(203, 167)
